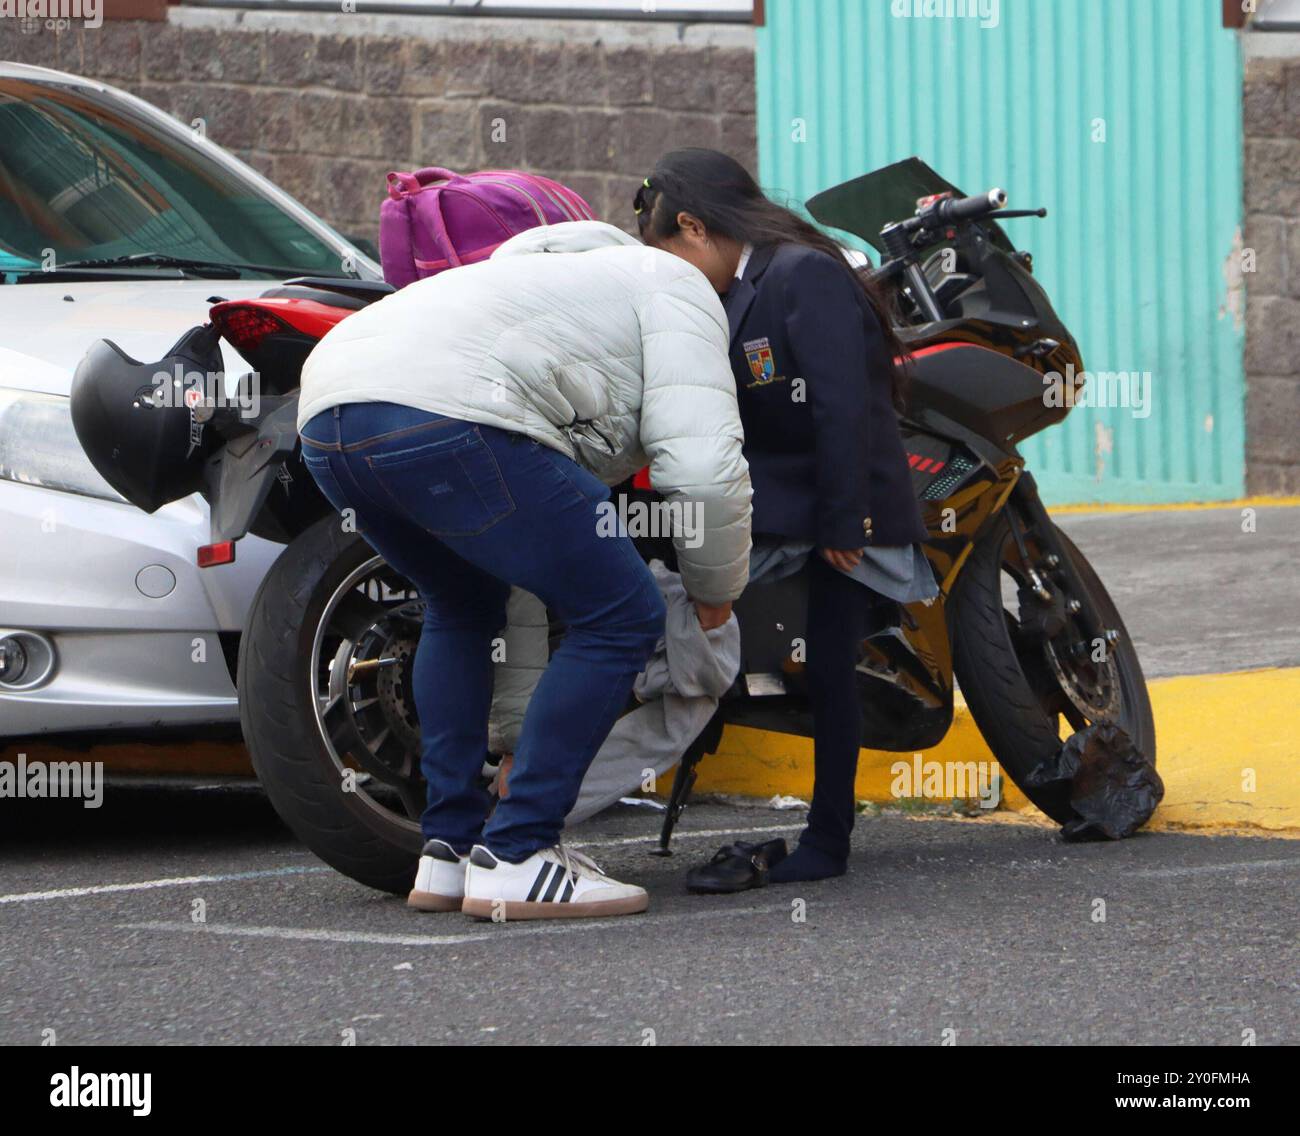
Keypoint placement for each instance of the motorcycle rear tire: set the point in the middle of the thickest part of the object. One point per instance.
(301, 778)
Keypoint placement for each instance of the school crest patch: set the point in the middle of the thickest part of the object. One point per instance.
(758, 353)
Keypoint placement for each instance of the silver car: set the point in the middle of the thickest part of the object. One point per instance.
(116, 221)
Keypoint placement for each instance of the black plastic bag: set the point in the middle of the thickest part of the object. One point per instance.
(1114, 787)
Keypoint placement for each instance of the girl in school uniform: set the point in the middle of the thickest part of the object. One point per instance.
(813, 357)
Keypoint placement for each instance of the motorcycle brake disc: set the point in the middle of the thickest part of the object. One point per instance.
(1094, 699)
(393, 689)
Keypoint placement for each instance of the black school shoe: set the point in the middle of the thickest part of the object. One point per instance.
(736, 867)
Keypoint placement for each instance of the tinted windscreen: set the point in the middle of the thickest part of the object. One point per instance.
(84, 174)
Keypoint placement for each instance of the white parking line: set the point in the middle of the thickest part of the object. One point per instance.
(149, 885)
(385, 938)
(239, 877)
(685, 834)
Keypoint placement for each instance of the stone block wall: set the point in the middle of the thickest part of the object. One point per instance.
(326, 103)
(1271, 113)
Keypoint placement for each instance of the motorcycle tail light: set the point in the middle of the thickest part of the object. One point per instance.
(245, 327)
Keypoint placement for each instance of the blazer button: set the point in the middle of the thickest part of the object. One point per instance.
(866, 527)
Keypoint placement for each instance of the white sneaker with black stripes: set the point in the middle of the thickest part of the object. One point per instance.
(439, 880)
(554, 883)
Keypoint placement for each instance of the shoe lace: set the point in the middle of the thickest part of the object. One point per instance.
(575, 863)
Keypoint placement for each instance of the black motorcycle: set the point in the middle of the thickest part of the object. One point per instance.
(325, 660)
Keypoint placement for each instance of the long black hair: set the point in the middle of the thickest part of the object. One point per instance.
(725, 197)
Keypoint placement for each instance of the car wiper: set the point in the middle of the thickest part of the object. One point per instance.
(215, 269)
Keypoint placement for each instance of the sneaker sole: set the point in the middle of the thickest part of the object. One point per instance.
(517, 909)
(432, 901)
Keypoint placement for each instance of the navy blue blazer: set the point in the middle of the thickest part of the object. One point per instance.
(825, 455)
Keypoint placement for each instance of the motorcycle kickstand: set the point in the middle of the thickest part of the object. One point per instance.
(687, 770)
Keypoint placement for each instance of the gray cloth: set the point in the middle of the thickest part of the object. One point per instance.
(680, 687)
(679, 690)
(900, 573)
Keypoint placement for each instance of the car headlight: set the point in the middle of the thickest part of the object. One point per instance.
(38, 446)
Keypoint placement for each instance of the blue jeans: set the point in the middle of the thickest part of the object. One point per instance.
(464, 511)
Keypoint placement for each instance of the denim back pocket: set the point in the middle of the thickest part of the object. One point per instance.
(449, 487)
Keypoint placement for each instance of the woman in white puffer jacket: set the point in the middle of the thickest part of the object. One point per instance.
(472, 423)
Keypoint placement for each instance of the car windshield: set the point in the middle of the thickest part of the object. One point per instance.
(84, 175)
(868, 203)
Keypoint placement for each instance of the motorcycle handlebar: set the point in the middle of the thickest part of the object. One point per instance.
(902, 238)
(969, 208)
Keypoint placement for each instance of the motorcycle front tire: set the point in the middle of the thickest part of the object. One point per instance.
(1002, 700)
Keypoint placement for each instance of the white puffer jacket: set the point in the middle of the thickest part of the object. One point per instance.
(613, 353)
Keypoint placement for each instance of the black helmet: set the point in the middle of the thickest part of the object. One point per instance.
(139, 423)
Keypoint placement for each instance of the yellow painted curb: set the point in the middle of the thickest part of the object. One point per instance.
(1227, 751)
(1177, 506)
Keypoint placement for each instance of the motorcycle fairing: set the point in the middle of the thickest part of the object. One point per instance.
(990, 392)
(239, 477)
(904, 673)
(297, 319)
(904, 696)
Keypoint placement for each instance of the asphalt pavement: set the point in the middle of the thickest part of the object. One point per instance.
(990, 928)
(1202, 591)
(184, 912)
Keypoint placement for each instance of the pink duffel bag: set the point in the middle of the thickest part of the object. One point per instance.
(434, 219)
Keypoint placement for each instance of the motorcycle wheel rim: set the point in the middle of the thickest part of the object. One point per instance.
(1082, 696)
(363, 711)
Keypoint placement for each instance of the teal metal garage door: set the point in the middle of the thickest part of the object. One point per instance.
(1123, 117)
